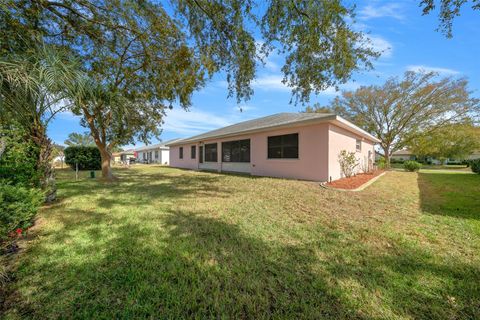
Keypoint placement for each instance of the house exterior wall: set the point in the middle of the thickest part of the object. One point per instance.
(319, 146)
(341, 139)
(163, 155)
(310, 165)
(312, 162)
(187, 162)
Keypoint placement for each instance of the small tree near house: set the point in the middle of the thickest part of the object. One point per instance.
(348, 162)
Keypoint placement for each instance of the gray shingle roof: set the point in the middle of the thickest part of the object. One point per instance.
(275, 120)
(156, 146)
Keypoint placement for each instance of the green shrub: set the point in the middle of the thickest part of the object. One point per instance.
(18, 159)
(381, 163)
(348, 162)
(88, 158)
(411, 165)
(18, 206)
(475, 165)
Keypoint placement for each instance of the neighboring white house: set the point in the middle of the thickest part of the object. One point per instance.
(474, 155)
(123, 156)
(403, 155)
(155, 153)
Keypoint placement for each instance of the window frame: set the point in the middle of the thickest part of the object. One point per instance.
(236, 146)
(207, 154)
(193, 152)
(282, 146)
(180, 152)
(358, 145)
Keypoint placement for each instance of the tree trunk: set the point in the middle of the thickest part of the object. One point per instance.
(386, 151)
(106, 158)
(44, 162)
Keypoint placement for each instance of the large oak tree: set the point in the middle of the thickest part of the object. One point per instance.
(404, 109)
(143, 56)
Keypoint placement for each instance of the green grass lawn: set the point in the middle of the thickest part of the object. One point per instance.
(168, 243)
(456, 167)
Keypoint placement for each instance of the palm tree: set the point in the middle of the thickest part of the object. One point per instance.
(34, 87)
(80, 139)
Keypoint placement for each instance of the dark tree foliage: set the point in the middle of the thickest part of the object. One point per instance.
(18, 159)
(87, 158)
(448, 10)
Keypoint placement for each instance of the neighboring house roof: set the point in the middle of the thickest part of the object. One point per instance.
(162, 145)
(276, 121)
(131, 151)
(405, 152)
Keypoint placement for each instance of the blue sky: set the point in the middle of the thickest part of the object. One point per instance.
(408, 41)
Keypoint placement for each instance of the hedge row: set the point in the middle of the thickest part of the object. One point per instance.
(87, 158)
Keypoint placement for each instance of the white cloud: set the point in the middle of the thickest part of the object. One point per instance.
(270, 82)
(193, 122)
(381, 45)
(389, 10)
(68, 115)
(423, 68)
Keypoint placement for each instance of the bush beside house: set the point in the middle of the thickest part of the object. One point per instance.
(87, 158)
(475, 165)
(348, 163)
(411, 165)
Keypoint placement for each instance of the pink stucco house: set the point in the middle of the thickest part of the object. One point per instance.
(287, 145)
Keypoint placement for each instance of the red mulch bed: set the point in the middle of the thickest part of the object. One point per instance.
(354, 182)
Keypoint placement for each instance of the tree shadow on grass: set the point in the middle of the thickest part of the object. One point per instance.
(137, 188)
(200, 267)
(406, 280)
(450, 194)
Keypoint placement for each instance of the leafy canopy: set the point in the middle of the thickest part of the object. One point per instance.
(156, 54)
(80, 139)
(401, 110)
(449, 10)
(455, 141)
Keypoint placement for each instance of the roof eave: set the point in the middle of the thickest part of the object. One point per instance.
(280, 126)
(345, 124)
(348, 125)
